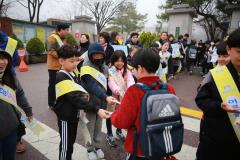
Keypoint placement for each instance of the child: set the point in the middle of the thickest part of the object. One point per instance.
(94, 75)
(218, 139)
(146, 63)
(71, 97)
(120, 79)
(164, 57)
(223, 56)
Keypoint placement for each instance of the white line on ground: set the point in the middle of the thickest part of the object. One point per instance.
(48, 142)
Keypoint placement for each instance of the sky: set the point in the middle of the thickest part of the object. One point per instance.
(62, 9)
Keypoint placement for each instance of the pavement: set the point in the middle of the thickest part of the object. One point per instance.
(45, 146)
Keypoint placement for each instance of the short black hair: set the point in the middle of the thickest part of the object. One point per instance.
(146, 58)
(222, 48)
(186, 35)
(62, 26)
(134, 34)
(67, 51)
(106, 36)
(234, 39)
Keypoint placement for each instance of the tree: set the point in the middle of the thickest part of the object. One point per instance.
(33, 6)
(103, 11)
(39, 4)
(212, 13)
(127, 19)
(4, 6)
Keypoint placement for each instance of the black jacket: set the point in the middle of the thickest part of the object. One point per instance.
(109, 51)
(8, 118)
(215, 124)
(67, 106)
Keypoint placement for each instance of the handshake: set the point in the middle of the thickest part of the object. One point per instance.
(106, 114)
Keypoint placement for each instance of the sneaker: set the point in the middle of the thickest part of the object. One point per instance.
(120, 136)
(100, 154)
(92, 155)
(20, 147)
(111, 141)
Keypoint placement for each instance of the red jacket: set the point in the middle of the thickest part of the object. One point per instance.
(128, 113)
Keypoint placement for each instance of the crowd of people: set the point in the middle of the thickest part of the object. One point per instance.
(103, 82)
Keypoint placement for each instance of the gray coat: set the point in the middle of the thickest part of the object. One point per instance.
(8, 118)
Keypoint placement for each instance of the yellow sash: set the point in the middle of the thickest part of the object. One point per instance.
(60, 43)
(229, 93)
(95, 74)
(11, 46)
(8, 95)
(163, 78)
(67, 86)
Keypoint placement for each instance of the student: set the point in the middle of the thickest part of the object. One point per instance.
(71, 97)
(133, 41)
(94, 74)
(146, 63)
(191, 56)
(218, 139)
(104, 40)
(164, 57)
(120, 79)
(223, 56)
(9, 115)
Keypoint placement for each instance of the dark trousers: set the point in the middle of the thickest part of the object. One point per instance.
(190, 64)
(68, 132)
(109, 127)
(8, 146)
(129, 157)
(51, 87)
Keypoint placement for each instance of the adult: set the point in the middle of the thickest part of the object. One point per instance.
(104, 40)
(115, 36)
(54, 42)
(218, 139)
(9, 116)
(84, 43)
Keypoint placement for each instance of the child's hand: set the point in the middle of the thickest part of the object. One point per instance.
(104, 114)
(110, 100)
(229, 108)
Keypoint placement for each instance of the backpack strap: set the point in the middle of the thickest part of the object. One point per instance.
(143, 86)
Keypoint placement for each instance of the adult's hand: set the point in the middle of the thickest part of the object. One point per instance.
(229, 108)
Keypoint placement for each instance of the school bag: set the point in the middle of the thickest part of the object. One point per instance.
(192, 53)
(161, 127)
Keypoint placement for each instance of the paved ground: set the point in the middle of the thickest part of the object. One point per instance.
(45, 147)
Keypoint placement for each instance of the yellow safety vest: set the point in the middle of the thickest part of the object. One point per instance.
(77, 72)
(87, 70)
(60, 43)
(11, 46)
(8, 95)
(67, 86)
(229, 93)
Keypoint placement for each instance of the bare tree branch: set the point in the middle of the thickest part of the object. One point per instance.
(103, 11)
